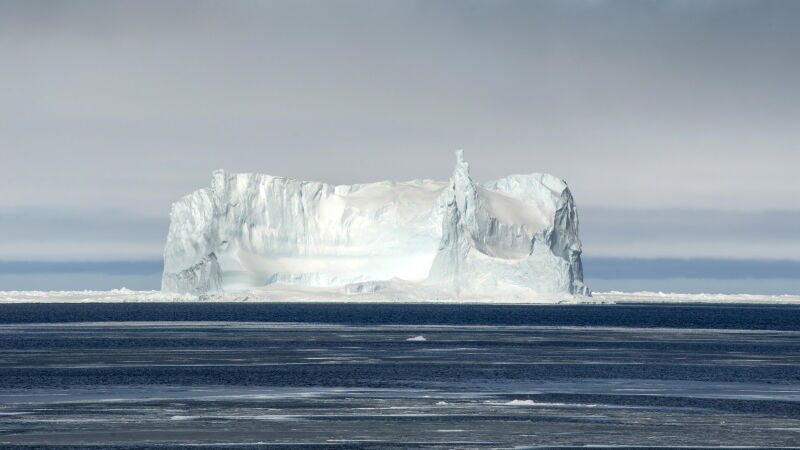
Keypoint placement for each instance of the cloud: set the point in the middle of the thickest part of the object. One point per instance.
(686, 268)
(676, 233)
(82, 267)
(58, 235)
(115, 105)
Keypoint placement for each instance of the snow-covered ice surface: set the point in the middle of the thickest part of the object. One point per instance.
(311, 295)
(516, 237)
(662, 297)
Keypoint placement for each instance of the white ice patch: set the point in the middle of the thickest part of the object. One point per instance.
(388, 294)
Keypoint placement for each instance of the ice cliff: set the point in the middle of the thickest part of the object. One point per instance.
(514, 237)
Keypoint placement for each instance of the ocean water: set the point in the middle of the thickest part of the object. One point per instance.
(389, 375)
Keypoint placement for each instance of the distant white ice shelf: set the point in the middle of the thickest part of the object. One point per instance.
(127, 295)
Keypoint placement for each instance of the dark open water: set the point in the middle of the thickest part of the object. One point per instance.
(361, 376)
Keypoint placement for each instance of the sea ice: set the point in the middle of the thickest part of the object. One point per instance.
(311, 295)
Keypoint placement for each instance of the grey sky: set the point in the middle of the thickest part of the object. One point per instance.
(109, 111)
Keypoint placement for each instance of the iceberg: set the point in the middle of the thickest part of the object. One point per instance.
(516, 237)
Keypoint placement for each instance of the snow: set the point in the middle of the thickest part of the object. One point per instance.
(513, 238)
(313, 295)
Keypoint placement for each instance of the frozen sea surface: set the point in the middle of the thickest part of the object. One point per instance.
(358, 376)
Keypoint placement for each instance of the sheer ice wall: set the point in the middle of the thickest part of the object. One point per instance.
(516, 235)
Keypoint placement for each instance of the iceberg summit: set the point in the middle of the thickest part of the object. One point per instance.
(514, 238)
